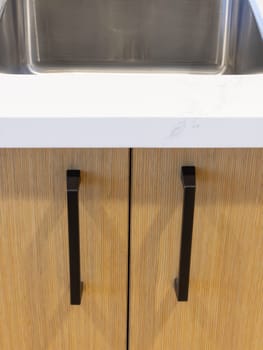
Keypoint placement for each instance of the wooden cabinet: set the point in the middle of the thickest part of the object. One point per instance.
(225, 306)
(35, 310)
(130, 215)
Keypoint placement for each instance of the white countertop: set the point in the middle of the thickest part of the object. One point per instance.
(132, 110)
(130, 95)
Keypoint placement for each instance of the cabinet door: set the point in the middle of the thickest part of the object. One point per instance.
(225, 306)
(35, 310)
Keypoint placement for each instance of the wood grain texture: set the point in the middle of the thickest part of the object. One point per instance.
(225, 307)
(34, 280)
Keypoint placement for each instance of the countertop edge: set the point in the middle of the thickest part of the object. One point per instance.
(131, 133)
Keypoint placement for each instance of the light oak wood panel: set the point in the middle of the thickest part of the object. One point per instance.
(225, 307)
(34, 280)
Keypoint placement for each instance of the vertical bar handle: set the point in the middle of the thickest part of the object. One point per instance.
(73, 182)
(189, 186)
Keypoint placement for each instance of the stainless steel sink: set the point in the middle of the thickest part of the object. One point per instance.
(190, 36)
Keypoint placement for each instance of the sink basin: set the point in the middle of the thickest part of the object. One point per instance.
(189, 36)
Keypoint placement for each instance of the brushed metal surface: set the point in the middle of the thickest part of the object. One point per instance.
(190, 36)
(2, 7)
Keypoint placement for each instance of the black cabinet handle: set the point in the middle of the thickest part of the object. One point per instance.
(182, 281)
(73, 182)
